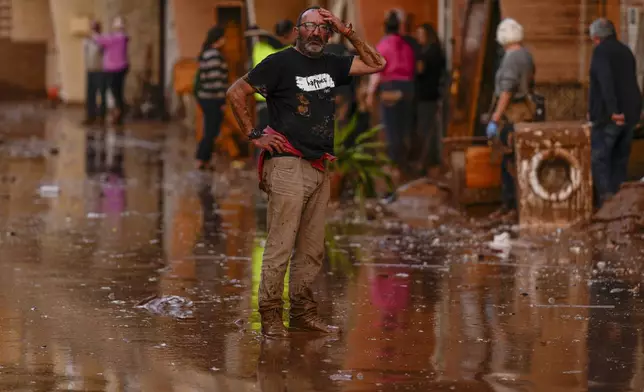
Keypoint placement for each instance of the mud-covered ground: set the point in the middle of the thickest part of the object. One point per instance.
(122, 269)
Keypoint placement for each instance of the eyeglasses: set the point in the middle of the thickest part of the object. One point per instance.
(310, 26)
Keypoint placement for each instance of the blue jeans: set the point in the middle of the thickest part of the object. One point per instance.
(398, 119)
(212, 119)
(611, 150)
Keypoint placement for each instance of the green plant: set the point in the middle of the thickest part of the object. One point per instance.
(361, 160)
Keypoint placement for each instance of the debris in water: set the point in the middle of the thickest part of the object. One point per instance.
(341, 377)
(551, 301)
(49, 191)
(618, 290)
(577, 306)
(171, 306)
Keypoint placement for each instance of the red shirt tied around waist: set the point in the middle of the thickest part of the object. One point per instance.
(318, 164)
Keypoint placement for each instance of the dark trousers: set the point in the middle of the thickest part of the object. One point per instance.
(212, 119)
(508, 182)
(116, 82)
(611, 150)
(508, 189)
(398, 118)
(429, 133)
(95, 85)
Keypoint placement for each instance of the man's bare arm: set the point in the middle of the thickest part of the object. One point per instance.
(369, 60)
(238, 97)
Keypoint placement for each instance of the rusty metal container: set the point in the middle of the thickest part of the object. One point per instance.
(553, 174)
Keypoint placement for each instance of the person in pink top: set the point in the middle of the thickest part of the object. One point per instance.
(396, 86)
(115, 62)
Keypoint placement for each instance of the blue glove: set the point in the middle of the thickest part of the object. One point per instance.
(492, 129)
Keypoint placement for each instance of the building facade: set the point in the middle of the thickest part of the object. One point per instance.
(43, 36)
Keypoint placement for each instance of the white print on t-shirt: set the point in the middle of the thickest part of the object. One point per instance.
(315, 82)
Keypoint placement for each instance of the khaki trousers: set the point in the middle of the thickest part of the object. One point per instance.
(298, 196)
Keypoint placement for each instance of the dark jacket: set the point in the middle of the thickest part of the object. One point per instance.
(613, 83)
(428, 81)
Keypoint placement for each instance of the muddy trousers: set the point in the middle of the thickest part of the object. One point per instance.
(298, 196)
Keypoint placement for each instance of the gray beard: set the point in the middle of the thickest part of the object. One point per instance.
(301, 46)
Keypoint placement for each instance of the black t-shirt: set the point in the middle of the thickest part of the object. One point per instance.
(300, 94)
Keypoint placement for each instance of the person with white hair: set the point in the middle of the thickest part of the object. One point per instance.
(116, 63)
(512, 89)
(615, 104)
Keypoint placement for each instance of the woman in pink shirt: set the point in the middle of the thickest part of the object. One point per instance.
(115, 63)
(396, 87)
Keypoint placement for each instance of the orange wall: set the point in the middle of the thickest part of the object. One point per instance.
(192, 20)
(372, 14)
(267, 14)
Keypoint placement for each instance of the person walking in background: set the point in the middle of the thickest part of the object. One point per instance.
(430, 72)
(210, 90)
(615, 104)
(95, 82)
(396, 86)
(514, 82)
(115, 63)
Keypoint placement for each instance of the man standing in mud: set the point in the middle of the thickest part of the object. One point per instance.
(298, 84)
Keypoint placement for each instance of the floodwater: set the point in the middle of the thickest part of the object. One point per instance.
(122, 269)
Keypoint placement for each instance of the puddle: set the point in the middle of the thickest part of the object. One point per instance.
(425, 304)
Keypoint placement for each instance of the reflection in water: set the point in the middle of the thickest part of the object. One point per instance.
(211, 218)
(612, 334)
(132, 220)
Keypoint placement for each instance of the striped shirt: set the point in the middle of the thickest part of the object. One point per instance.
(213, 75)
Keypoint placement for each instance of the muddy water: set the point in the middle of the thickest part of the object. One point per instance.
(122, 219)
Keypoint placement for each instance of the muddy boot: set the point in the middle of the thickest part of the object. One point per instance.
(304, 316)
(272, 325)
(304, 311)
(312, 322)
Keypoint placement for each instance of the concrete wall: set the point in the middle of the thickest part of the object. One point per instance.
(31, 21)
(69, 48)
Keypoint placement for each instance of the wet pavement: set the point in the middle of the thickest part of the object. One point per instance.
(122, 269)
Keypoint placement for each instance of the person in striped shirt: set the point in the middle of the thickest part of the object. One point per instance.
(210, 91)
